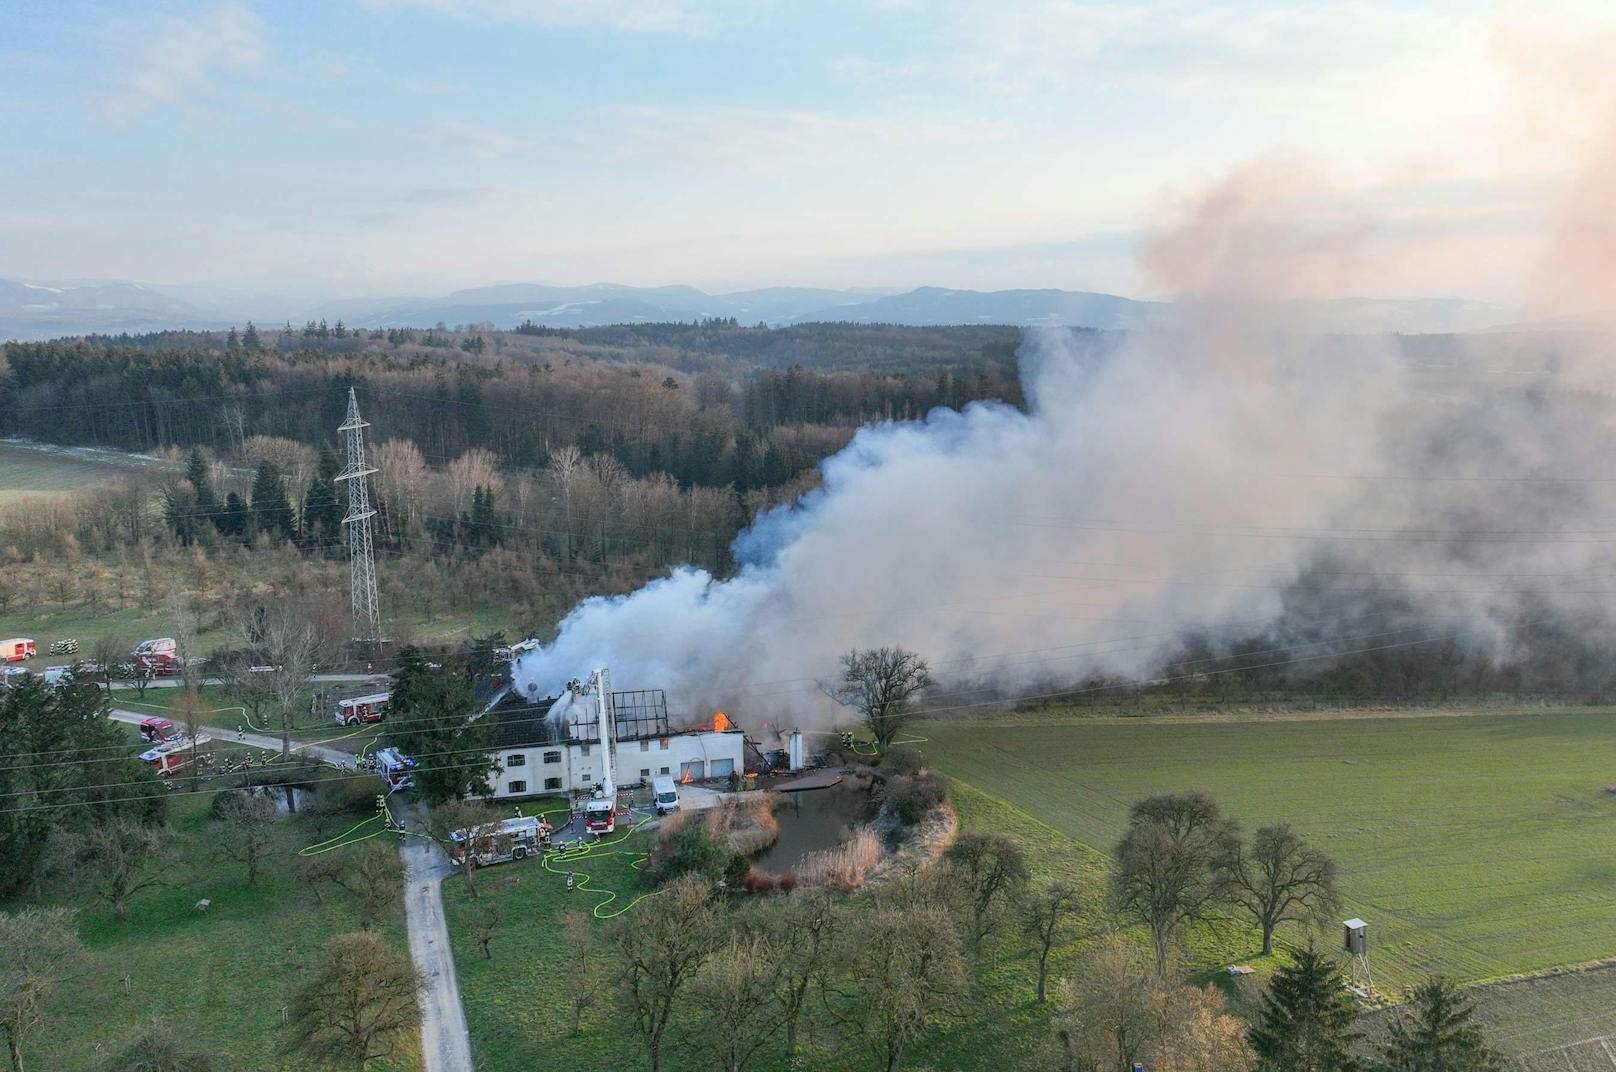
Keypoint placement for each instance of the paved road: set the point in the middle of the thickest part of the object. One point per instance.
(174, 682)
(256, 740)
(445, 1043)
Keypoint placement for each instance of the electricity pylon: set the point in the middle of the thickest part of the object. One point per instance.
(367, 623)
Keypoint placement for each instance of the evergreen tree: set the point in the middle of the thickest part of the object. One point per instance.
(322, 510)
(1436, 1031)
(196, 471)
(250, 339)
(432, 713)
(233, 520)
(484, 520)
(232, 341)
(340, 331)
(1305, 1024)
(271, 511)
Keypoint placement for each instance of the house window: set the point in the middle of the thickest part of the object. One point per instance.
(516, 759)
(664, 770)
(517, 787)
(583, 750)
(645, 772)
(552, 783)
(552, 757)
(645, 746)
(664, 744)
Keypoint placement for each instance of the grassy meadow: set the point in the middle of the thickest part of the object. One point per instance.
(219, 977)
(30, 470)
(1476, 844)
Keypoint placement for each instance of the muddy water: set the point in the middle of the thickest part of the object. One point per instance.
(812, 821)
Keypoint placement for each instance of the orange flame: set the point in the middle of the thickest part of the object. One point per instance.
(687, 779)
(721, 722)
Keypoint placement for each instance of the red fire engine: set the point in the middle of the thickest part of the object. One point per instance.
(158, 656)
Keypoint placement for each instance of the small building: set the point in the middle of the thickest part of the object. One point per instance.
(542, 749)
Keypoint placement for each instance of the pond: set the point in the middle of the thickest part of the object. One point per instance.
(813, 820)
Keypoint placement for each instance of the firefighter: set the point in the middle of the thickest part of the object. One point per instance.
(241, 732)
(571, 881)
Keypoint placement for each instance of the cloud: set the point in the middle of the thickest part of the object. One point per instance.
(484, 143)
(643, 16)
(178, 57)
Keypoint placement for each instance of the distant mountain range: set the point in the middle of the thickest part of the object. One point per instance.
(30, 310)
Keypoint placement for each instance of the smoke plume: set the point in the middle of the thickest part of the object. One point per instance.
(1221, 473)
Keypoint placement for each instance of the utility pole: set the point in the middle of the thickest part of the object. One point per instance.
(367, 623)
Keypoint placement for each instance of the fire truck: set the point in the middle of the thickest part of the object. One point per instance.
(17, 649)
(394, 768)
(371, 708)
(167, 759)
(513, 839)
(158, 656)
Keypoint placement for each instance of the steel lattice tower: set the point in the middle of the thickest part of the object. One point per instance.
(366, 613)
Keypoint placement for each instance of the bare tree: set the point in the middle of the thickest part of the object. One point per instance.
(881, 684)
(659, 950)
(485, 926)
(282, 633)
(1200, 1035)
(990, 871)
(355, 1005)
(249, 829)
(578, 931)
(120, 857)
(374, 878)
(158, 1047)
(1109, 1016)
(732, 992)
(1280, 877)
(315, 871)
(39, 948)
(564, 465)
(458, 825)
(1046, 919)
(901, 971)
(803, 931)
(1170, 866)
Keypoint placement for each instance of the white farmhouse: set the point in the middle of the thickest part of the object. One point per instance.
(545, 748)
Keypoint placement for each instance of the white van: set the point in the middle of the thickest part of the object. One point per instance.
(665, 793)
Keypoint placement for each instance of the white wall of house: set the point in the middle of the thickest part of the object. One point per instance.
(535, 771)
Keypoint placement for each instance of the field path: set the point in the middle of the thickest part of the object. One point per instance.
(445, 1043)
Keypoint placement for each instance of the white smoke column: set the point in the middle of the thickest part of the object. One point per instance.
(1086, 533)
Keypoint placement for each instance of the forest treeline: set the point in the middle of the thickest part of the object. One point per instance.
(702, 416)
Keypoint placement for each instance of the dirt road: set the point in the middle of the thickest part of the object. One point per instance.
(445, 1046)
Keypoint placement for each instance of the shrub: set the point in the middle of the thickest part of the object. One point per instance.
(225, 803)
(691, 848)
(909, 797)
(901, 760)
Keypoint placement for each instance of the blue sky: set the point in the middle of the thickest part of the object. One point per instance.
(350, 147)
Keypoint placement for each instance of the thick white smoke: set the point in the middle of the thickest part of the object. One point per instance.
(1220, 473)
(1131, 504)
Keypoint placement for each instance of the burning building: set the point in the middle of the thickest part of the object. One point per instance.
(554, 745)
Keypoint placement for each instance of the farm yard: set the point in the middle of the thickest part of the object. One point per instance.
(1478, 844)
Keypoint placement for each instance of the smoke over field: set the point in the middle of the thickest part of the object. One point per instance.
(1220, 475)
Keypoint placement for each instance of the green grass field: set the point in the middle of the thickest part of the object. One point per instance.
(220, 977)
(33, 470)
(1479, 845)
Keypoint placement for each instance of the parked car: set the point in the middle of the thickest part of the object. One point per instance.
(58, 676)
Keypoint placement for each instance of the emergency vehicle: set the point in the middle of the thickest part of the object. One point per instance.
(394, 768)
(156, 729)
(166, 759)
(600, 815)
(17, 649)
(158, 656)
(513, 839)
(363, 709)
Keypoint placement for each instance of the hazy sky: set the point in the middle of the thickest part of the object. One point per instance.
(364, 146)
